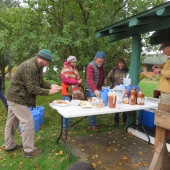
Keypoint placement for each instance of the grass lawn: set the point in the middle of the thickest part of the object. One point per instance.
(55, 155)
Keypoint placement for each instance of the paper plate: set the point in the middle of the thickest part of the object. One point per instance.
(61, 103)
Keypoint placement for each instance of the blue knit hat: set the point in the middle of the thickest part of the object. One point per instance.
(45, 54)
(100, 54)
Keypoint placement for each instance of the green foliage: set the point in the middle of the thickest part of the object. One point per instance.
(66, 28)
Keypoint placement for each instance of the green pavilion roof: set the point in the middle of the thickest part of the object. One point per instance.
(155, 19)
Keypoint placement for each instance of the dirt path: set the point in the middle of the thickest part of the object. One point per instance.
(115, 150)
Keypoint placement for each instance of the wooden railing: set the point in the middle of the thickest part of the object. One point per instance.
(161, 158)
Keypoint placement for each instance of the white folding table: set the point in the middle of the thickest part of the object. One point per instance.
(78, 111)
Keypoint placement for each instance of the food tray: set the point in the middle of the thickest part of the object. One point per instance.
(61, 103)
(85, 104)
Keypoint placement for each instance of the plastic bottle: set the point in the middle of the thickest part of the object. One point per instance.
(132, 98)
(126, 97)
(140, 97)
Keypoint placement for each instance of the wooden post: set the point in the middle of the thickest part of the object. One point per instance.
(161, 160)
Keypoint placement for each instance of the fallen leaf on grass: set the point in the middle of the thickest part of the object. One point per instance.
(125, 157)
(144, 164)
(56, 154)
(99, 162)
(59, 153)
(108, 149)
(94, 156)
(130, 133)
(4, 165)
(94, 165)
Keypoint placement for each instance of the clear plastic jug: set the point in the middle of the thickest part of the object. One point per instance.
(112, 97)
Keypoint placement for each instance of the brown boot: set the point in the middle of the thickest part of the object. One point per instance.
(34, 153)
(15, 148)
(94, 128)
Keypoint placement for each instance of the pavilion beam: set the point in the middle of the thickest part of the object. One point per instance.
(163, 11)
(143, 20)
(118, 29)
(103, 34)
(143, 29)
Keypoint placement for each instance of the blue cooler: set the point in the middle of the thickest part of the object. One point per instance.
(147, 119)
(36, 115)
(41, 110)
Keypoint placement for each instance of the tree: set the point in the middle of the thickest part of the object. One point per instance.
(67, 28)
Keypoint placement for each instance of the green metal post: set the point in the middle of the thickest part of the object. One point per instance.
(134, 71)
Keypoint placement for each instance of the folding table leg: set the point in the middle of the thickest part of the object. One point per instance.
(135, 125)
(64, 133)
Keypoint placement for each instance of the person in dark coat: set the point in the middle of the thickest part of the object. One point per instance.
(115, 77)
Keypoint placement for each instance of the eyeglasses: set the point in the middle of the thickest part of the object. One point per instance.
(100, 60)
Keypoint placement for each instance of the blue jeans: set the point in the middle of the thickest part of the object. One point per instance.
(64, 119)
(89, 93)
(3, 99)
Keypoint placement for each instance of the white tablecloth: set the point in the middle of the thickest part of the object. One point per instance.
(78, 111)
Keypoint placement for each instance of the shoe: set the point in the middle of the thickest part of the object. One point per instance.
(34, 153)
(116, 124)
(94, 128)
(15, 148)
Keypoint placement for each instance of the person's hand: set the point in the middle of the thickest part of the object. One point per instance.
(54, 89)
(155, 66)
(55, 86)
(97, 93)
(79, 81)
(156, 69)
